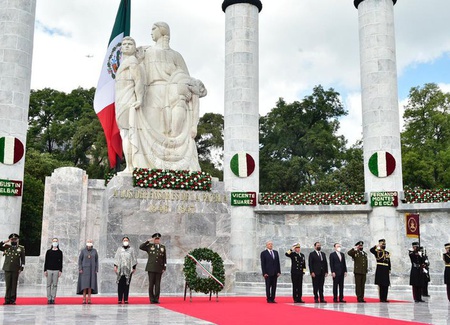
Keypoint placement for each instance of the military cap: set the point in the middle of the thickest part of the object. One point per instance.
(296, 245)
(156, 235)
(382, 241)
(13, 236)
(359, 243)
(416, 243)
(447, 245)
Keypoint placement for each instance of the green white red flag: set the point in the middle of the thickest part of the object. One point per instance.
(11, 150)
(382, 164)
(242, 164)
(105, 93)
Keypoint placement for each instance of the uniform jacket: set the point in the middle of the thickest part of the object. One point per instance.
(298, 262)
(14, 257)
(338, 266)
(157, 258)
(382, 272)
(417, 276)
(446, 258)
(316, 265)
(270, 265)
(360, 260)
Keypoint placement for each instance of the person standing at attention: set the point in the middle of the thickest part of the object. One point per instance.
(53, 266)
(338, 271)
(156, 265)
(298, 268)
(13, 265)
(318, 268)
(271, 270)
(383, 270)
(125, 262)
(360, 268)
(87, 272)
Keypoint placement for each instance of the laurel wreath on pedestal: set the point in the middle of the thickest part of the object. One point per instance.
(205, 285)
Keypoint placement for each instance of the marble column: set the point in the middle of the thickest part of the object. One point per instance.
(241, 119)
(16, 48)
(380, 113)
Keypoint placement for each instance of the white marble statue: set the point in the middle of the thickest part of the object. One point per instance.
(164, 126)
(129, 98)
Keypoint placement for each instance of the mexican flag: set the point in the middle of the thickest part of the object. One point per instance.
(382, 164)
(242, 164)
(11, 150)
(105, 93)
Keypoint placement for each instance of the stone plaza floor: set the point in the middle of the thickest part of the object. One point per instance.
(436, 310)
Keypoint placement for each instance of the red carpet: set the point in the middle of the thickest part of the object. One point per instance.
(240, 310)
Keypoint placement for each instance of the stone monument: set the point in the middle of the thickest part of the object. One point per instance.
(16, 48)
(158, 109)
(380, 114)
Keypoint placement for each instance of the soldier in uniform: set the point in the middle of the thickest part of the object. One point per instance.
(156, 265)
(446, 258)
(298, 268)
(359, 257)
(383, 270)
(13, 265)
(417, 276)
(426, 271)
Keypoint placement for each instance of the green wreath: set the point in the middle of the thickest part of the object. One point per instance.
(205, 285)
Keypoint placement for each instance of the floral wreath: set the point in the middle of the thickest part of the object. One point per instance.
(205, 285)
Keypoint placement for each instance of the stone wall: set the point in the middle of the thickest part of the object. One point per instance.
(76, 208)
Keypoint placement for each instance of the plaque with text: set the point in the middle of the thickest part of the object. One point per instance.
(10, 188)
(243, 199)
(384, 199)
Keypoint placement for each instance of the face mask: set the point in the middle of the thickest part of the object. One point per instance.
(338, 249)
(319, 248)
(360, 248)
(383, 246)
(125, 243)
(13, 243)
(55, 244)
(89, 245)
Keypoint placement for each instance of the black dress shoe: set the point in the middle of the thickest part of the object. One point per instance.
(335, 300)
(316, 301)
(343, 301)
(323, 301)
(301, 302)
(6, 303)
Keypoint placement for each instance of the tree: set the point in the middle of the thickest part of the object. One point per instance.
(209, 141)
(298, 142)
(426, 138)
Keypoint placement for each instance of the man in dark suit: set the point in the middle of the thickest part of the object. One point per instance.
(338, 271)
(271, 270)
(156, 265)
(298, 268)
(13, 265)
(318, 268)
(359, 256)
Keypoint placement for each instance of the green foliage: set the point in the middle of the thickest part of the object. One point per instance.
(205, 285)
(300, 149)
(426, 138)
(209, 141)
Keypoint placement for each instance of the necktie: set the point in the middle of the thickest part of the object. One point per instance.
(320, 255)
(271, 253)
(339, 255)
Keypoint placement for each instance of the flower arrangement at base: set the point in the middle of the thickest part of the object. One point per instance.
(209, 284)
(419, 195)
(172, 179)
(109, 176)
(311, 198)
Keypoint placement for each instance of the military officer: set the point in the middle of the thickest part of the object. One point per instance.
(360, 267)
(383, 270)
(13, 265)
(156, 265)
(426, 270)
(298, 268)
(417, 276)
(446, 258)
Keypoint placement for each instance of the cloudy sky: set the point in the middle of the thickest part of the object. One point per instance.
(303, 43)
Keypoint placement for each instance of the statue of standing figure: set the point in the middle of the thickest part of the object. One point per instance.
(161, 102)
